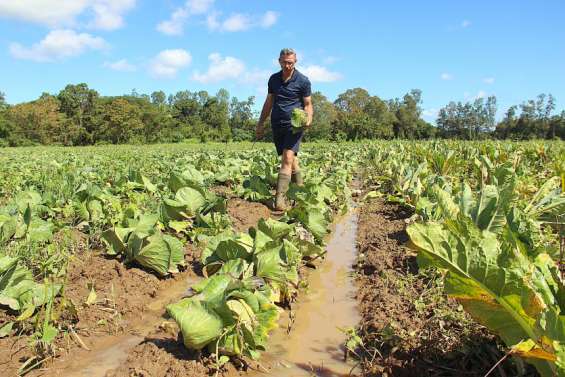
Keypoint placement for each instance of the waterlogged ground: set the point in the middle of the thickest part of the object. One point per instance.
(408, 326)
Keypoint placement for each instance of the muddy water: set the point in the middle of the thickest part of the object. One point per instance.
(314, 346)
(109, 352)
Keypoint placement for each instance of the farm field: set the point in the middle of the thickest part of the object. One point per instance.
(166, 260)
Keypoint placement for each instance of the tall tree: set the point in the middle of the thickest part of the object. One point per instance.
(39, 121)
(215, 117)
(5, 126)
(121, 123)
(78, 103)
(325, 115)
(3, 103)
(468, 120)
(407, 114)
(241, 120)
(158, 98)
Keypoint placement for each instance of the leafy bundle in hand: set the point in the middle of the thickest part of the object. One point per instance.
(298, 120)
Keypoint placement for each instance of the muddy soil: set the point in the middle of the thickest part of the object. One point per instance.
(162, 354)
(246, 214)
(110, 301)
(104, 298)
(122, 292)
(409, 327)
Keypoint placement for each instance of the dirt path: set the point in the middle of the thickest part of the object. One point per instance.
(408, 326)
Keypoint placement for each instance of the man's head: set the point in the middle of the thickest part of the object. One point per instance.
(287, 59)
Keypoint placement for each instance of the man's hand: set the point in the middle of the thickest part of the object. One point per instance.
(259, 131)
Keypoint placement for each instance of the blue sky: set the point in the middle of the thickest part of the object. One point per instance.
(451, 50)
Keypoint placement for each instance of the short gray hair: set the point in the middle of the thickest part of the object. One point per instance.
(287, 51)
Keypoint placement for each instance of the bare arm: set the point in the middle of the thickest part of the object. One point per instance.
(267, 107)
(309, 108)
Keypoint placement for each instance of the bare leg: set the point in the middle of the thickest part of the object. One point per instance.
(295, 166)
(287, 162)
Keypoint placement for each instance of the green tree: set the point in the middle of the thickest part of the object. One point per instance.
(78, 103)
(505, 128)
(534, 121)
(186, 114)
(121, 123)
(5, 126)
(407, 113)
(325, 115)
(3, 104)
(159, 98)
(360, 115)
(215, 117)
(37, 122)
(468, 120)
(241, 120)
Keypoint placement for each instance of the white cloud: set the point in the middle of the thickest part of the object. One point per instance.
(256, 77)
(58, 45)
(465, 24)
(318, 73)
(108, 14)
(488, 80)
(240, 21)
(220, 69)
(175, 25)
(236, 22)
(121, 66)
(269, 19)
(481, 94)
(168, 62)
(199, 6)
(446, 76)
(212, 21)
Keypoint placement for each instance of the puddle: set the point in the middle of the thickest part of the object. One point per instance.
(314, 346)
(109, 352)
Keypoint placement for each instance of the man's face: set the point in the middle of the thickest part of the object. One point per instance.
(287, 62)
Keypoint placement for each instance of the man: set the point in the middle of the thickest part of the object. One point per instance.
(288, 89)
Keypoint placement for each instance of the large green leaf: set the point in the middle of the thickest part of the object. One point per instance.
(312, 218)
(162, 254)
(198, 323)
(7, 227)
(18, 290)
(186, 204)
(274, 229)
(496, 283)
(548, 203)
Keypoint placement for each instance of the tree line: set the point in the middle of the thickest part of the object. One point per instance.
(79, 115)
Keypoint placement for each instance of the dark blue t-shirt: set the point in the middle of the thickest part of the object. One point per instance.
(287, 96)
